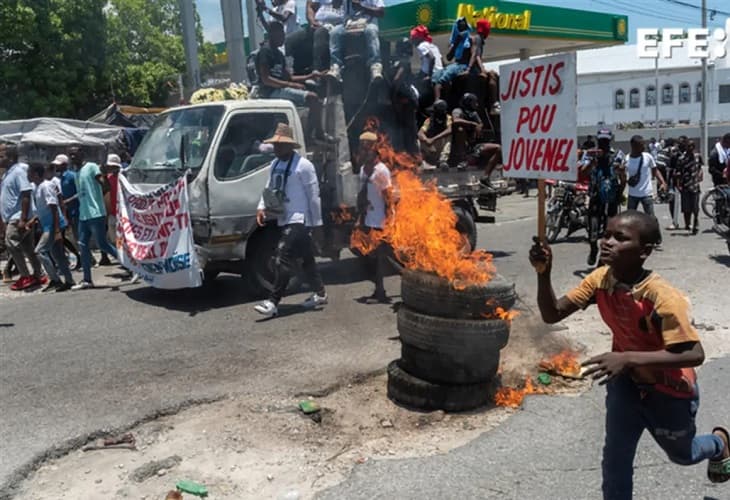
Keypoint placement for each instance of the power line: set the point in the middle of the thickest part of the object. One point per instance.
(629, 8)
(697, 7)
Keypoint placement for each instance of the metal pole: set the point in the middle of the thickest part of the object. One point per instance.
(656, 96)
(187, 15)
(233, 29)
(703, 104)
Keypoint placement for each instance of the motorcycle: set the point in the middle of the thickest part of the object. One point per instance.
(567, 208)
(716, 205)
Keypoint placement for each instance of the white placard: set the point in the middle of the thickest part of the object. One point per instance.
(538, 118)
(155, 237)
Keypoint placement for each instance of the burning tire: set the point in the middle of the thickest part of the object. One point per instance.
(432, 295)
(466, 226)
(412, 392)
(450, 351)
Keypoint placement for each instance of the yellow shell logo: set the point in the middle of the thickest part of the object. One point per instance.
(424, 15)
(621, 28)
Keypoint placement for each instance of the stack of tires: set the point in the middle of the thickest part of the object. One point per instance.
(449, 347)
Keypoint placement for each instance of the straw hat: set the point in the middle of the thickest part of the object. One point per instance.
(283, 135)
(369, 137)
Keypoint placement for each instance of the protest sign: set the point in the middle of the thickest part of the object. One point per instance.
(538, 118)
(154, 235)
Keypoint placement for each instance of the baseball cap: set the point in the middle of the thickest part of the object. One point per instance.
(114, 160)
(60, 160)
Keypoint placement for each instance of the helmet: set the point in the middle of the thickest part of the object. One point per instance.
(470, 101)
(604, 133)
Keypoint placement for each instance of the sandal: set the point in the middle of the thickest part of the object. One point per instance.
(718, 471)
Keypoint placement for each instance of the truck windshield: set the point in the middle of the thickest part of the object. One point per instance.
(178, 140)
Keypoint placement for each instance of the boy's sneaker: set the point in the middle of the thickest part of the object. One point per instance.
(315, 300)
(82, 285)
(267, 308)
(21, 284)
(53, 285)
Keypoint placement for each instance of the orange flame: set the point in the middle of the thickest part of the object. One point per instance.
(512, 397)
(563, 363)
(421, 228)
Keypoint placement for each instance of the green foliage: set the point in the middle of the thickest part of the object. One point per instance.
(72, 57)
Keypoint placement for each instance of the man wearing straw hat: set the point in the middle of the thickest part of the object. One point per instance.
(292, 196)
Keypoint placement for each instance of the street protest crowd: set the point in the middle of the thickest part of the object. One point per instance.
(52, 211)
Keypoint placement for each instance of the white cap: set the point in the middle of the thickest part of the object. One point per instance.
(60, 160)
(114, 160)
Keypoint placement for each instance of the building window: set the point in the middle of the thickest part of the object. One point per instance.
(651, 95)
(685, 93)
(667, 94)
(698, 92)
(620, 99)
(634, 98)
(724, 94)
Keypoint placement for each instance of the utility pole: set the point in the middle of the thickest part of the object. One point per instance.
(703, 104)
(656, 97)
(233, 29)
(190, 43)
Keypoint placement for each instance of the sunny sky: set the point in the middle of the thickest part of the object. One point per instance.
(651, 13)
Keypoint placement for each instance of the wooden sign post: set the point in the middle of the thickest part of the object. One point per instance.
(539, 135)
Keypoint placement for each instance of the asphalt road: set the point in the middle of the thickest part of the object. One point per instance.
(74, 364)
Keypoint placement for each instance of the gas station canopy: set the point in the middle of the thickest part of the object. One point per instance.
(518, 29)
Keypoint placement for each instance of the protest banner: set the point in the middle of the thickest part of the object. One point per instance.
(155, 237)
(538, 121)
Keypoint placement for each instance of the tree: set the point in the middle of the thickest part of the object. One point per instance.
(51, 57)
(70, 58)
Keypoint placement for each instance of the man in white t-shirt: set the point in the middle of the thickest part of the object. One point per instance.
(285, 11)
(364, 15)
(641, 169)
(293, 182)
(373, 205)
(428, 51)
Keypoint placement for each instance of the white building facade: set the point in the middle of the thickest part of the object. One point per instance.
(616, 87)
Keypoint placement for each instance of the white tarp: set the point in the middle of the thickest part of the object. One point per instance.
(155, 236)
(59, 132)
(538, 117)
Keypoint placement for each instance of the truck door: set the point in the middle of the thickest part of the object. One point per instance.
(239, 173)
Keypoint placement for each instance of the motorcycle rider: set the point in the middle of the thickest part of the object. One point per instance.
(607, 181)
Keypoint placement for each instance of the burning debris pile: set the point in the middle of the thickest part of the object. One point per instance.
(564, 364)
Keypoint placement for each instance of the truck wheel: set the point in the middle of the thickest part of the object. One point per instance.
(466, 226)
(259, 267)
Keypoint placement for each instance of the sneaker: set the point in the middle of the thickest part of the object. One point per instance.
(378, 298)
(53, 285)
(135, 278)
(65, 286)
(315, 300)
(82, 285)
(105, 261)
(267, 308)
(21, 284)
(496, 108)
(376, 72)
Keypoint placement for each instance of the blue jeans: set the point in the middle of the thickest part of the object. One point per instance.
(647, 204)
(53, 257)
(671, 422)
(372, 42)
(97, 228)
(449, 73)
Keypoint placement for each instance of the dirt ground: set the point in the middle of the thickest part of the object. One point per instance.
(262, 446)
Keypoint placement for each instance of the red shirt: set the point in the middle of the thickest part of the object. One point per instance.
(649, 316)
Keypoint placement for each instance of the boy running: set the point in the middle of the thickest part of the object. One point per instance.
(650, 379)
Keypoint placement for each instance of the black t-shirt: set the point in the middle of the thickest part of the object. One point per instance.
(276, 62)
